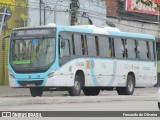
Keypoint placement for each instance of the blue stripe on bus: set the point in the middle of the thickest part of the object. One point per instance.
(92, 72)
(134, 35)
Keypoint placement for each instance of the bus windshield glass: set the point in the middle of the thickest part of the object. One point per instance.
(35, 54)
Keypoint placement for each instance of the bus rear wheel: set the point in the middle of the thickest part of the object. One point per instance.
(129, 89)
(159, 105)
(76, 89)
(36, 91)
(91, 91)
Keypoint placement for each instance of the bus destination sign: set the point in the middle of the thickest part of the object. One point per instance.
(33, 32)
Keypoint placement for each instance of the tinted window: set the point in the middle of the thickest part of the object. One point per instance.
(118, 48)
(97, 45)
(78, 44)
(73, 45)
(66, 49)
(104, 47)
(91, 46)
(152, 49)
(131, 48)
(143, 49)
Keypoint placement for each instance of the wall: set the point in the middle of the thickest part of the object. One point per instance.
(18, 15)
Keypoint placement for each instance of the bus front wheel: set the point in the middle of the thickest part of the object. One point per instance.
(159, 105)
(36, 91)
(76, 89)
(129, 89)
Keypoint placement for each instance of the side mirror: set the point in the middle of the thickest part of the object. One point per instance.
(3, 42)
(63, 44)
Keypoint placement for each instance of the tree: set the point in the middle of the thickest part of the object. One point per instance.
(150, 3)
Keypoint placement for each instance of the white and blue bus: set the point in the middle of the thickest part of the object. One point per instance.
(76, 58)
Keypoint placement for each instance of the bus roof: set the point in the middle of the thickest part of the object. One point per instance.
(111, 31)
(105, 31)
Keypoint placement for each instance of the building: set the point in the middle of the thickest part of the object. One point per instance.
(17, 13)
(61, 12)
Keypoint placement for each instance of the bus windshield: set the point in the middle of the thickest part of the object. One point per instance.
(33, 54)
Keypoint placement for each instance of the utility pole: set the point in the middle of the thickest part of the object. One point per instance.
(46, 7)
(74, 10)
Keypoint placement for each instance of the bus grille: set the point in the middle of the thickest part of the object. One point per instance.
(26, 83)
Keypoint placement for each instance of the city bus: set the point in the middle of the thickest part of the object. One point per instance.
(80, 58)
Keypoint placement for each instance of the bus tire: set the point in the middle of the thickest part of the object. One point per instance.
(36, 91)
(76, 89)
(129, 89)
(159, 105)
(91, 91)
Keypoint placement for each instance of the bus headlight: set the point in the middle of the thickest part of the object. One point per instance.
(51, 74)
(11, 75)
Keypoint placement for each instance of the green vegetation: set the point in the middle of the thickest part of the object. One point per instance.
(150, 3)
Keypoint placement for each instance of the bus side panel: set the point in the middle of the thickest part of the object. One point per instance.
(147, 72)
(124, 67)
(99, 72)
(64, 76)
(111, 70)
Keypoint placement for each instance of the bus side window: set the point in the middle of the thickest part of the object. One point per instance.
(110, 48)
(97, 45)
(123, 48)
(73, 45)
(104, 47)
(86, 46)
(118, 48)
(91, 45)
(66, 47)
(113, 47)
(83, 45)
(136, 49)
(78, 44)
(131, 48)
(143, 50)
(148, 50)
(152, 50)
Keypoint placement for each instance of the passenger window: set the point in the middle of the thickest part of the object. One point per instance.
(111, 47)
(148, 50)
(152, 50)
(73, 45)
(83, 45)
(66, 49)
(78, 44)
(131, 49)
(143, 50)
(104, 47)
(136, 49)
(97, 46)
(91, 46)
(118, 48)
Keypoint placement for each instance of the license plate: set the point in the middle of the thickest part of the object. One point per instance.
(30, 84)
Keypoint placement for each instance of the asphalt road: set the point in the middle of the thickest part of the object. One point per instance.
(96, 106)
